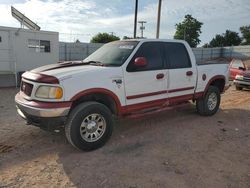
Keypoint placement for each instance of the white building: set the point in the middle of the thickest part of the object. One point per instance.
(23, 49)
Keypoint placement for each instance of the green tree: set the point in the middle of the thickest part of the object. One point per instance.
(206, 45)
(189, 30)
(245, 31)
(77, 41)
(126, 37)
(229, 38)
(104, 38)
(218, 40)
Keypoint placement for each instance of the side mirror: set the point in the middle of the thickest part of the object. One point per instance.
(242, 68)
(140, 62)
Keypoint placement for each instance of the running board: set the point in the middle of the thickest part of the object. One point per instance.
(156, 110)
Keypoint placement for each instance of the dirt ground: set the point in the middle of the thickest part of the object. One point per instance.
(173, 149)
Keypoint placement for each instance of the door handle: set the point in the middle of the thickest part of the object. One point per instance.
(189, 73)
(159, 76)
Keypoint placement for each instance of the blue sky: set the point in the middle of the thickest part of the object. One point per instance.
(84, 18)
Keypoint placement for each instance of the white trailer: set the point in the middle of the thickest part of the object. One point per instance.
(24, 49)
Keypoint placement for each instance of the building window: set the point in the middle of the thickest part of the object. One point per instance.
(0, 39)
(44, 46)
(39, 45)
(34, 45)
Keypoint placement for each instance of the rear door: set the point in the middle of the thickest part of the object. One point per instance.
(182, 74)
(145, 84)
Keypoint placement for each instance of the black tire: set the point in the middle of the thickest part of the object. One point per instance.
(74, 125)
(238, 88)
(202, 105)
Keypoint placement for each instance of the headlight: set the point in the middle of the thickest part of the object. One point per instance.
(239, 77)
(49, 92)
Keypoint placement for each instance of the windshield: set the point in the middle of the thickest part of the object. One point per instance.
(112, 54)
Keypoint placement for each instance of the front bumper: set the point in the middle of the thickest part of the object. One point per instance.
(42, 114)
(242, 83)
(42, 109)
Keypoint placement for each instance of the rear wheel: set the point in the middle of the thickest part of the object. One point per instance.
(89, 126)
(209, 104)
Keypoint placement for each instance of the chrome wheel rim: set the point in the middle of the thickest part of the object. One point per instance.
(93, 127)
(212, 101)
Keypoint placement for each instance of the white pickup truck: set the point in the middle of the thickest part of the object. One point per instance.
(121, 79)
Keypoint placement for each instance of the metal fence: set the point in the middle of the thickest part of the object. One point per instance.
(78, 51)
(242, 52)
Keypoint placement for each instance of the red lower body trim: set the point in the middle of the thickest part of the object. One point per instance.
(146, 95)
(158, 110)
(180, 89)
(160, 103)
(159, 92)
(198, 95)
(156, 103)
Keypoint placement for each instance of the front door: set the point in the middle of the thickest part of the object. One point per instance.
(146, 84)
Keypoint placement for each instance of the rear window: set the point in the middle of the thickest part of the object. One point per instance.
(177, 56)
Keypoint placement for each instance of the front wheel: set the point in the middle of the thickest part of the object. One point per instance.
(209, 104)
(89, 126)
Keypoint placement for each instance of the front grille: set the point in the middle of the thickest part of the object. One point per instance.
(26, 88)
(247, 79)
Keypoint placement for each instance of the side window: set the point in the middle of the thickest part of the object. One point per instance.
(39, 45)
(0, 39)
(44, 46)
(236, 64)
(152, 51)
(177, 56)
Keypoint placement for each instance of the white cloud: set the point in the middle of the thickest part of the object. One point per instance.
(86, 18)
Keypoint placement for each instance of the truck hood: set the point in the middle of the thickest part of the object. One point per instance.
(67, 69)
(58, 66)
(55, 73)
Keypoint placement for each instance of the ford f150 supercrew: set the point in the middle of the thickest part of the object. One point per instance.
(120, 79)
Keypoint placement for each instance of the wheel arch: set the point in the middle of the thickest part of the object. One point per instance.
(101, 95)
(218, 81)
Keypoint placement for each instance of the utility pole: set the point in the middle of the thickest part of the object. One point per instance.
(158, 19)
(142, 27)
(135, 21)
